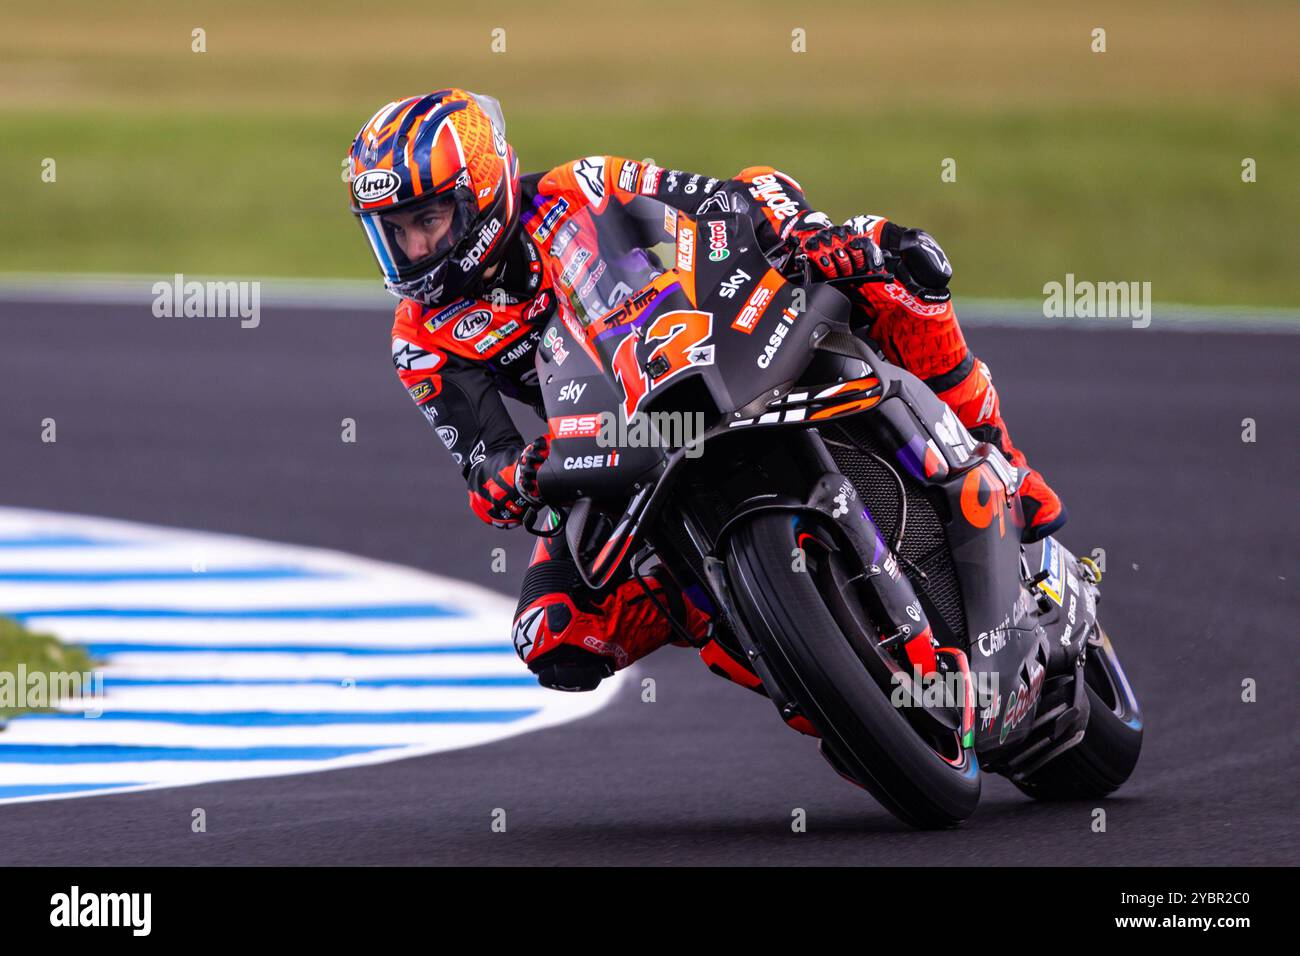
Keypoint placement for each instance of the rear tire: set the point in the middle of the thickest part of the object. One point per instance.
(813, 661)
(1112, 739)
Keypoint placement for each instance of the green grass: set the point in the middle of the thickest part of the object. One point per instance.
(1105, 194)
(1124, 165)
(39, 653)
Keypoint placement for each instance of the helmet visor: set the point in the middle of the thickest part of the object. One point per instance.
(413, 240)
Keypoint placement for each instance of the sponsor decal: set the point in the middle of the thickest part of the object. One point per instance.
(519, 350)
(549, 220)
(375, 184)
(553, 341)
(592, 279)
(450, 312)
(954, 434)
(691, 185)
(769, 190)
(685, 246)
(477, 455)
(718, 241)
(576, 426)
(778, 337)
(430, 413)
(977, 509)
(733, 283)
(650, 179)
(590, 173)
(1054, 565)
(753, 310)
(495, 336)
(591, 461)
(575, 263)
(990, 642)
(485, 240)
(1021, 700)
(539, 306)
(408, 357)
(471, 325)
(420, 390)
(525, 631)
(564, 237)
(670, 221)
(671, 181)
(913, 304)
(572, 392)
(718, 202)
(448, 434)
(629, 176)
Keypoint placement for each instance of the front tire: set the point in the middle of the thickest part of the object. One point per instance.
(813, 661)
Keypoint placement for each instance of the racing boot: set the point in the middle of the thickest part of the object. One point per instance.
(572, 642)
(975, 400)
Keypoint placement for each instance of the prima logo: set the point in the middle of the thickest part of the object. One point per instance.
(208, 300)
(375, 184)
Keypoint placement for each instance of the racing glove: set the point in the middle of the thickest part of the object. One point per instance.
(918, 262)
(504, 497)
(840, 251)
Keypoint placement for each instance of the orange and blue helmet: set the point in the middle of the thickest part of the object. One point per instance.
(435, 186)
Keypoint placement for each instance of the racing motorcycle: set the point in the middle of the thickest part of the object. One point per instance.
(859, 550)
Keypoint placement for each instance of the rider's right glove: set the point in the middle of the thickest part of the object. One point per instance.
(840, 251)
(505, 496)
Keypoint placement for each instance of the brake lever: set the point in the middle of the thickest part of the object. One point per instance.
(531, 516)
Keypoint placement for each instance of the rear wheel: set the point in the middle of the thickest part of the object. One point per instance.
(1112, 739)
(819, 649)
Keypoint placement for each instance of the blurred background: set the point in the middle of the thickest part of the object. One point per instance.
(1116, 165)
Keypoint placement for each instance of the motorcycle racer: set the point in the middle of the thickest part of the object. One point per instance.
(478, 255)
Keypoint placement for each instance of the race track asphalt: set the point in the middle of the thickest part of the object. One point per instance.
(199, 423)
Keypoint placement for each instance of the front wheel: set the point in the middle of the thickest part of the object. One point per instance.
(1112, 739)
(818, 660)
